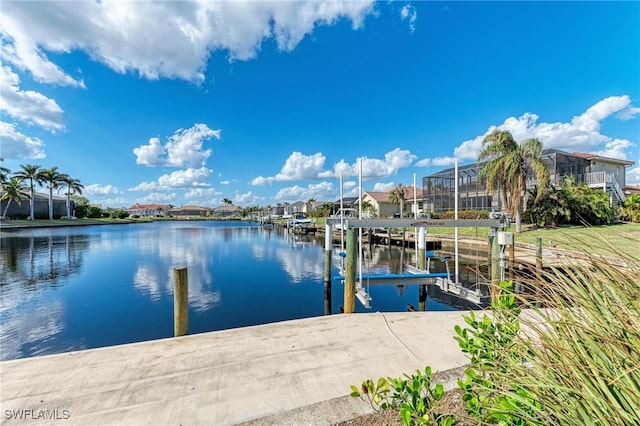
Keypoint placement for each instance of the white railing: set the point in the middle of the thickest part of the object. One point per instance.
(597, 178)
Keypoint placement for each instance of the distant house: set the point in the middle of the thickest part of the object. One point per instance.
(226, 211)
(277, 210)
(148, 210)
(190, 211)
(41, 206)
(294, 208)
(383, 207)
(632, 189)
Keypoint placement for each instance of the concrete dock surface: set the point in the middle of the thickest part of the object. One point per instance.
(291, 372)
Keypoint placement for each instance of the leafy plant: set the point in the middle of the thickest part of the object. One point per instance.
(492, 344)
(414, 396)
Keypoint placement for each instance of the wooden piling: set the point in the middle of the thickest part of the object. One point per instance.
(180, 301)
(350, 273)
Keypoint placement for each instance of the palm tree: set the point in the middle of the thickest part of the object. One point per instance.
(73, 187)
(32, 173)
(227, 201)
(367, 206)
(14, 190)
(4, 172)
(507, 167)
(53, 178)
(396, 196)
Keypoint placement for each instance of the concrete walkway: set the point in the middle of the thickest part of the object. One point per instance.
(294, 371)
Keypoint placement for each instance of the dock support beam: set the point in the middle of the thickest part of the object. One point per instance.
(350, 273)
(328, 237)
(180, 301)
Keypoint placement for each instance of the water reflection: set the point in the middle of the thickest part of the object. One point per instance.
(83, 287)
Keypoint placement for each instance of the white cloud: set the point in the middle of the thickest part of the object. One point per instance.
(247, 198)
(187, 178)
(373, 167)
(261, 181)
(16, 145)
(581, 134)
(201, 196)
(96, 189)
(299, 167)
(158, 198)
(633, 174)
(409, 12)
(320, 191)
(383, 186)
(438, 161)
(26, 105)
(183, 149)
(158, 39)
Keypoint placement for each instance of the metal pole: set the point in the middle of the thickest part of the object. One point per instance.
(180, 301)
(456, 228)
(495, 268)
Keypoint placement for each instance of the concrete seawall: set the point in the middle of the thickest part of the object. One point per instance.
(267, 372)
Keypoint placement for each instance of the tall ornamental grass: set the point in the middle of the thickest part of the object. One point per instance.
(583, 358)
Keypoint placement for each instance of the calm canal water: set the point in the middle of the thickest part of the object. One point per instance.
(80, 287)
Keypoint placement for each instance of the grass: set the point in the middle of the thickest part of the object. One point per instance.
(584, 363)
(66, 222)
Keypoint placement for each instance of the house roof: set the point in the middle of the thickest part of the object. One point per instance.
(138, 206)
(588, 156)
(190, 207)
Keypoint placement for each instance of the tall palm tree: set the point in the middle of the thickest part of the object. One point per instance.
(74, 186)
(14, 190)
(507, 167)
(53, 178)
(30, 172)
(227, 201)
(396, 196)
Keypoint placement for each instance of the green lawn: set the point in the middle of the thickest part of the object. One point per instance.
(596, 239)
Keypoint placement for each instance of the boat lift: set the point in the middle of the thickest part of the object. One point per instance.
(416, 276)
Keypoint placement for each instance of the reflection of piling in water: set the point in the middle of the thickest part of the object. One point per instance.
(327, 272)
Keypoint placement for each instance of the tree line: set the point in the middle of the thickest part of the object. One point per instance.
(21, 185)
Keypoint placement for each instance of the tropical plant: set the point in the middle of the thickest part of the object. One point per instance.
(507, 166)
(367, 208)
(4, 172)
(396, 196)
(53, 178)
(415, 396)
(227, 201)
(30, 172)
(631, 208)
(14, 191)
(74, 186)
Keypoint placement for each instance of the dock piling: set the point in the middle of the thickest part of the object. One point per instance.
(180, 301)
(350, 272)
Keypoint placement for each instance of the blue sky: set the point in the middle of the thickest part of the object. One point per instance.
(269, 102)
